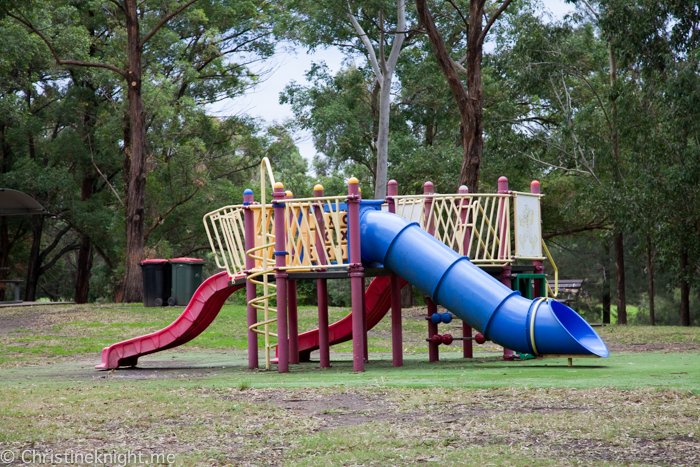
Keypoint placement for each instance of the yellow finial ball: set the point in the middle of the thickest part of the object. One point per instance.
(353, 181)
(289, 193)
(318, 187)
(279, 185)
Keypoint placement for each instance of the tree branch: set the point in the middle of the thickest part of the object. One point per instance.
(461, 15)
(29, 25)
(92, 155)
(449, 67)
(54, 260)
(400, 36)
(165, 19)
(119, 5)
(368, 45)
(586, 228)
(54, 244)
(162, 217)
(492, 20)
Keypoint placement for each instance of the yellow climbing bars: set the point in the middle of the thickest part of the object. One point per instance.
(262, 303)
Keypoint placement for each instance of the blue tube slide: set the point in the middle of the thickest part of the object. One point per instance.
(500, 314)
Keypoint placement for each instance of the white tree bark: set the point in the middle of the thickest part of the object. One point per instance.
(384, 72)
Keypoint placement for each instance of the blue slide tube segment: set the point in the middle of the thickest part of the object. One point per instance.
(502, 315)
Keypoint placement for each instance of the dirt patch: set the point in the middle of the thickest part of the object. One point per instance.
(336, 410)
(497, 418)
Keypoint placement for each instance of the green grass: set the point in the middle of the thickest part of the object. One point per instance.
(70, 331)
(216, 420)
(75, 330)
(201, 404)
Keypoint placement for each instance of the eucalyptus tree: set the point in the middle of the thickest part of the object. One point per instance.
(186, 47)
(561, 113)
(660, 41)
(359, 27)
(463, 35)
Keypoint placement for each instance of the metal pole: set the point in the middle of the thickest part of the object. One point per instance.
(281, 278)
(506, 271)
(292, 305)
(467, 346)
(321, 284)
(249, 223)
(539, 265)
(433, 349)
(364, 320)
(396, 331)
(355, 272)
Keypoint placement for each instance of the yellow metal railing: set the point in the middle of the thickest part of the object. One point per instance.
(314, 223)
(554, 292)
(474, 225)
(226, 231)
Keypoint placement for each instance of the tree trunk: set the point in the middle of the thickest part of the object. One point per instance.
(383, 137)
(606, 284)
(650, 281)
(685, 289)
(4, 255)
(469, 102)
(620, 279)
(34, 263)
(85, 253)
(472, 127)
(136, 192)
(408, 298)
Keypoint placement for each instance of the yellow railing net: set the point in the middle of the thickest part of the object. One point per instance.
(477, 226)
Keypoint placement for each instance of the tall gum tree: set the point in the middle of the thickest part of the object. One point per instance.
(136, 190)
(129, 39)
(384, 71)
(469, 98)
(358, 27)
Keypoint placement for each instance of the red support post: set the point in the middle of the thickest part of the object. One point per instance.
(433, 349)
(539, 265)
(252, 314)
(293, 322)
(364, 320)
(292, 306)
(396, 326)
(467, 344)
(355, 272)
(321, 284)
(506, 271)
(281, 279)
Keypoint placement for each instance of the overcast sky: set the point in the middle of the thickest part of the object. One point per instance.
(291, 65)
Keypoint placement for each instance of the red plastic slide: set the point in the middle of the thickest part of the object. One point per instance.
(201, 311)
(205, 306)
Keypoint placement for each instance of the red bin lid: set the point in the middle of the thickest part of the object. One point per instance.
(153, 261)
(187, 260)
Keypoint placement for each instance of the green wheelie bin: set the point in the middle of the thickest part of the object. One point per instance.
(186, 276)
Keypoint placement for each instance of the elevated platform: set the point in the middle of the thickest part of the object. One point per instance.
(383, 272)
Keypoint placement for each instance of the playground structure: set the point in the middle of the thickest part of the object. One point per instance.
(447, 245)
